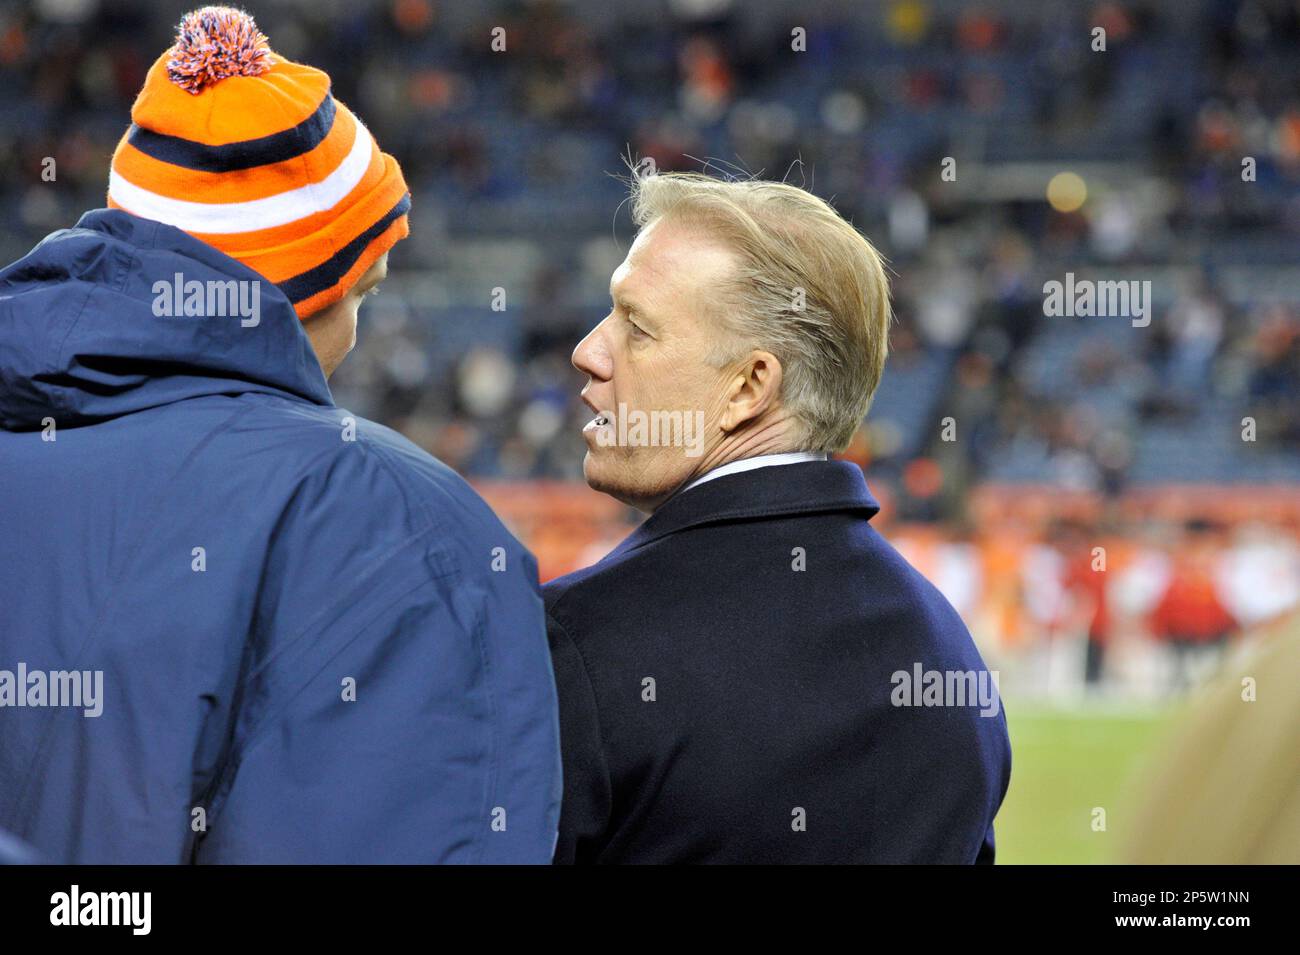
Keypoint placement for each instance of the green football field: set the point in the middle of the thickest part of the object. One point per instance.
(1065, 763)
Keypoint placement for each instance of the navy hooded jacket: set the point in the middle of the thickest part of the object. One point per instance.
(312, 641)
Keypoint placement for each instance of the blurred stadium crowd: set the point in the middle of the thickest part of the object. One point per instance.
(514, 156)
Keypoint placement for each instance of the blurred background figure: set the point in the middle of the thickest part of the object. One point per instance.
(1224, 790)
(1190, 615)
(985, 149)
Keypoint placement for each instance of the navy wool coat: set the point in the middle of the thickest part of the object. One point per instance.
(732, 685)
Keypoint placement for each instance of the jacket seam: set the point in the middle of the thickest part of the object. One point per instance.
(381, 456)
(117, 286)
(64, 404)
(494, 752)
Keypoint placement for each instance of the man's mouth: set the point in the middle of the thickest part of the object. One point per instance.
(600, 421)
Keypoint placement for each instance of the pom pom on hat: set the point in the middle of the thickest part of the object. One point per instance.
(215, 43)
(250, 153)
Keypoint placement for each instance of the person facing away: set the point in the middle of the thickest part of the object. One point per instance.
(755, 675)
(239, 623)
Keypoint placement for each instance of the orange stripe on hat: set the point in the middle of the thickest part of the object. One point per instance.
(250, 153)
(179, 182)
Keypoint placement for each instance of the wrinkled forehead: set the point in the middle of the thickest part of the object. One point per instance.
(673, 266)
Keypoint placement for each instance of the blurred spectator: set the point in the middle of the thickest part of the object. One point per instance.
(1190, 615)
(1224, 791)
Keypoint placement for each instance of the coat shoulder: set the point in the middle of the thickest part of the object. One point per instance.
(358, 464)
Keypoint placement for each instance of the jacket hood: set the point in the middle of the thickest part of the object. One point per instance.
(88, 333)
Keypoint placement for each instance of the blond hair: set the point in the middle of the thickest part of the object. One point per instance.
(809, 288)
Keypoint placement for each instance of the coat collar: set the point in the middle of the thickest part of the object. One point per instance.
(807, 488)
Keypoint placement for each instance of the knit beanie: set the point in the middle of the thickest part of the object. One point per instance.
(250, 153)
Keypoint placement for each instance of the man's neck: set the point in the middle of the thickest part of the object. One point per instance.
(775, 437)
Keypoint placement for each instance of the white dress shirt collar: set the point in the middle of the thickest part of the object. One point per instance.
(749, 464)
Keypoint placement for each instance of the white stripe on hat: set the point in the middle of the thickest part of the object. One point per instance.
(223, 218)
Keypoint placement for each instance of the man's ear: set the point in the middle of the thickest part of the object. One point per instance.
(753, 390)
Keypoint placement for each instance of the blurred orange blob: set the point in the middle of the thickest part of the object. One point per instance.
(922, 478)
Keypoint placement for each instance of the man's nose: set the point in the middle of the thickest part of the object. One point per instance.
(592, 357)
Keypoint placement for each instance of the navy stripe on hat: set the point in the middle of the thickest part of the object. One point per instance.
(332, 270)
(231, 157)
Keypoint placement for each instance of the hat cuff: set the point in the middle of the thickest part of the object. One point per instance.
(372, 244)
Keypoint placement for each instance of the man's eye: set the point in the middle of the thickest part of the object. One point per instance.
(637, 330)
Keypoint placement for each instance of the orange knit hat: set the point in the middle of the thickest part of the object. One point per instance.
(250, 153)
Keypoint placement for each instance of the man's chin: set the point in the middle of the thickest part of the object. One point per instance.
(596, 476)
(604, 476)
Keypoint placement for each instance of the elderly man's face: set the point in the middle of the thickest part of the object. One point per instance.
(650, 354)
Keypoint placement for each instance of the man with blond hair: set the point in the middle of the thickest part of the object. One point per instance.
(755, 675)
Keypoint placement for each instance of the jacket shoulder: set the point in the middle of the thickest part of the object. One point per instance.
(604, 581)
(891, 588)
(358, 465)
